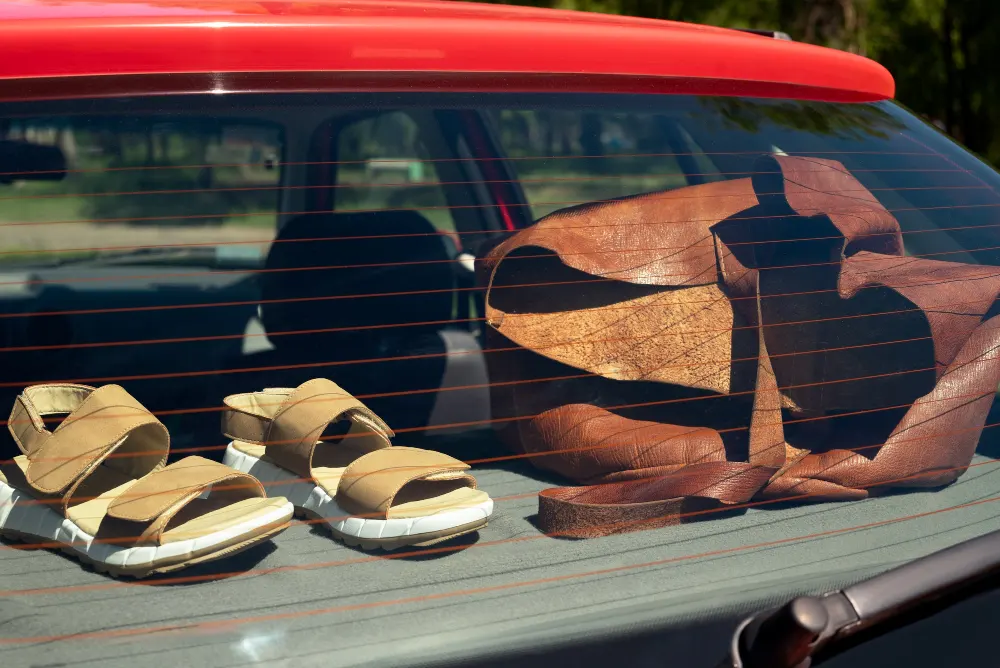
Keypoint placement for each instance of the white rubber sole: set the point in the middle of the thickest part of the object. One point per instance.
(22, 517)
(311, 499)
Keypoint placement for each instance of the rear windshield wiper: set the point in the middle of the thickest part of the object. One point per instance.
(809, 629)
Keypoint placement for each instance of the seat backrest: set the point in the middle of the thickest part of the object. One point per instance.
(332, 270)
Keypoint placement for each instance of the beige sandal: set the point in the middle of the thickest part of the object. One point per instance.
(364, 490)
(97, 487)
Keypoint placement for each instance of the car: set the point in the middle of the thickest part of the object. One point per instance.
(516, 235)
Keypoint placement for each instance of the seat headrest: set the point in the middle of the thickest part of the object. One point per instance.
(316, 256)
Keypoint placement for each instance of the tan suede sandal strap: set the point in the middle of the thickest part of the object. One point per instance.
(100, 421)
(370, 483)
(150, 497)
(291, 422)
(26, 424)
(248, 416)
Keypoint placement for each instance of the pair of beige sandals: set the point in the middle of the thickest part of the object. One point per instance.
(98, 486)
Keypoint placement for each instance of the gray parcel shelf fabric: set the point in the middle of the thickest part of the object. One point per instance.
(309, 601)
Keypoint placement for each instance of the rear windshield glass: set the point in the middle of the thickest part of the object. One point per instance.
(697, 353)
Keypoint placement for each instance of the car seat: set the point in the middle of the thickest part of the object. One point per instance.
(359, 298)
(367, 299)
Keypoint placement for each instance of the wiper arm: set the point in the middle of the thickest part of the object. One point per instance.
(809, 629)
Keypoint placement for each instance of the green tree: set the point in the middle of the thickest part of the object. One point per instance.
(942, 53)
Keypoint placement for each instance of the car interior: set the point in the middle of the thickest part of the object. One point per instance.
(192, 249)
(367, 290)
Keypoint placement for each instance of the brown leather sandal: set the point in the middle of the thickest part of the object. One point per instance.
(97, 487)
(367, 492)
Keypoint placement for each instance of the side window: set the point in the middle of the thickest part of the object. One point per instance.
(564, 158)
(116, 226)
(130, 181)
(384, 164)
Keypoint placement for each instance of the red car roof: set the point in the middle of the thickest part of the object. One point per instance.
(374, 44)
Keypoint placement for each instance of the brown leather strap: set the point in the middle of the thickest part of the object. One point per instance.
(100, 421)
(291, 422)
(853, 243)
(661, 242)
(818, 186)
(611, 508)
(602, 510)
(931, 446)
(953, 296)
(590, 444)
(662, 238)
(370, 483)
(629, 506)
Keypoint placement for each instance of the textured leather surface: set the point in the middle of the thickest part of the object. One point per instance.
(661, 239)
(829, 318)
(615, 448)
(640, 339)
(952, 296)
(601, 510)
(657, 239)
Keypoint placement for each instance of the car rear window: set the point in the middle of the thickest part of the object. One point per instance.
(701, 352)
